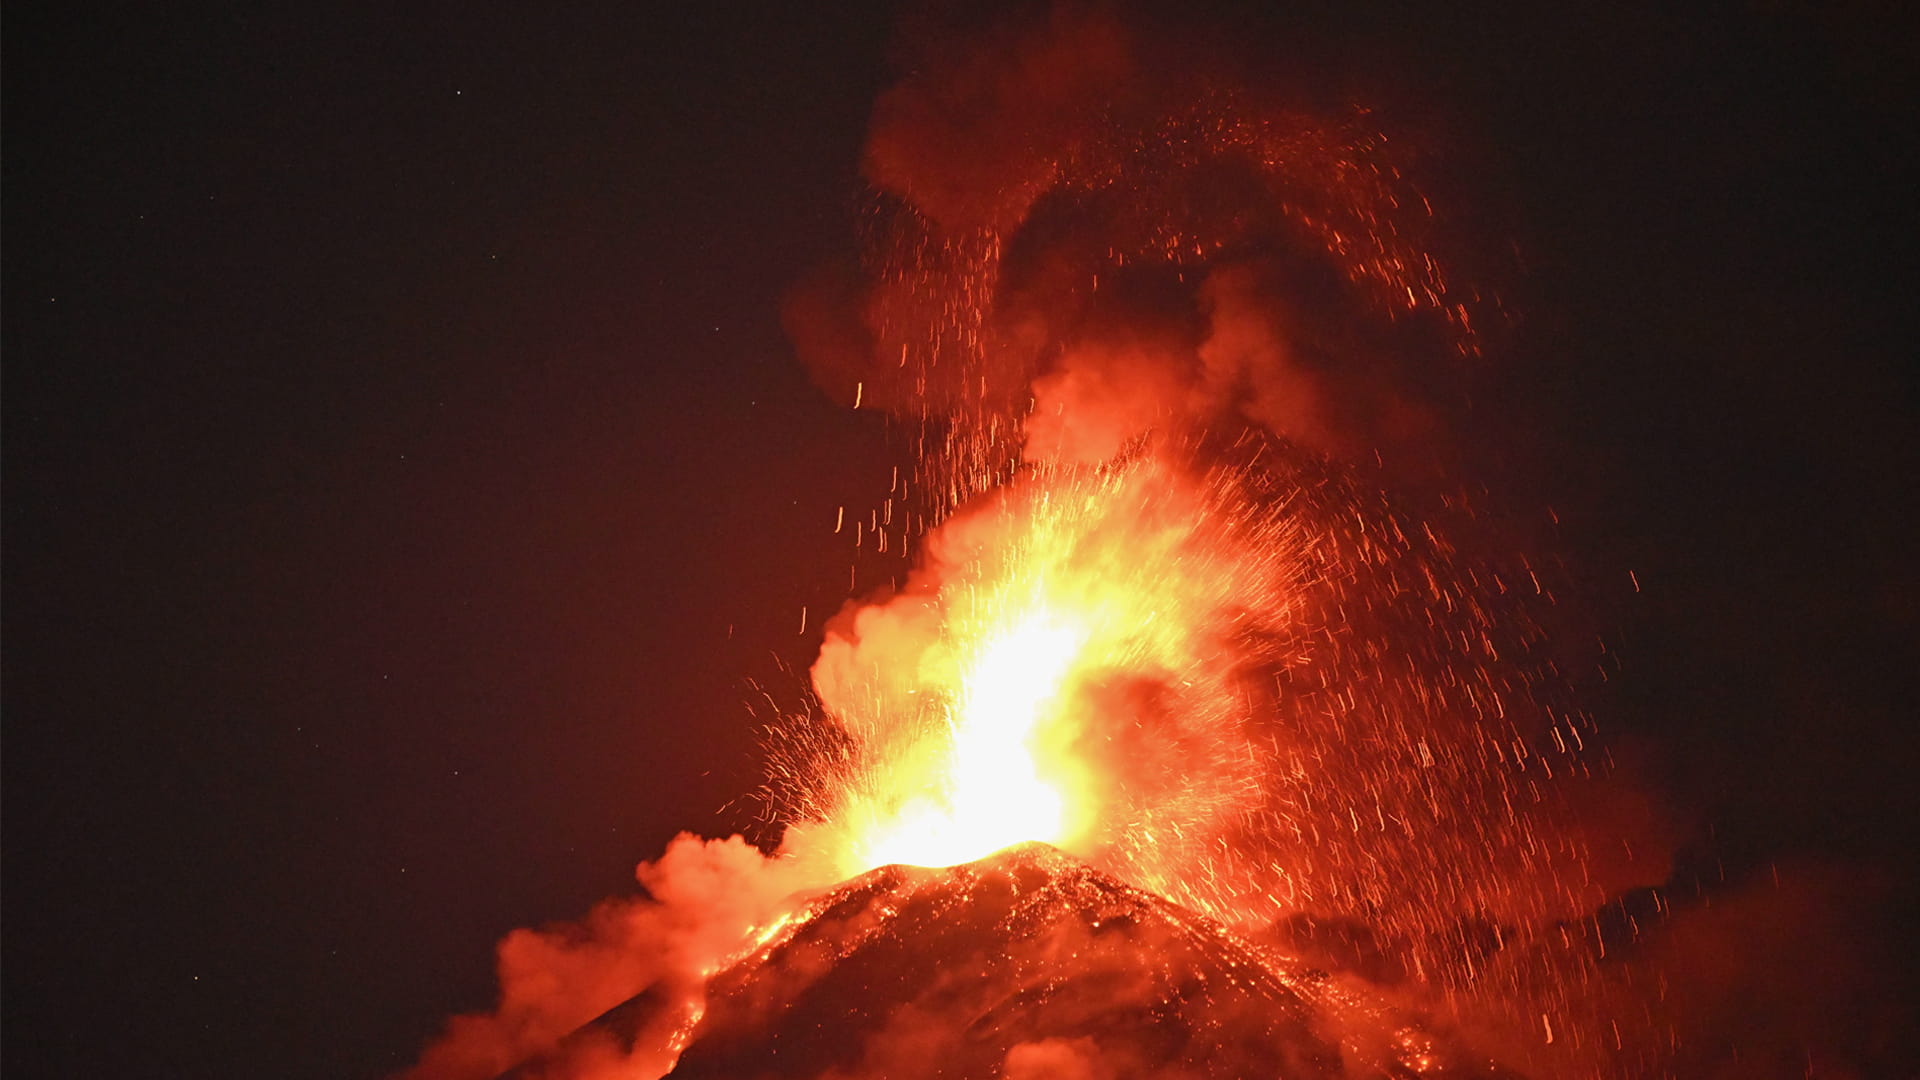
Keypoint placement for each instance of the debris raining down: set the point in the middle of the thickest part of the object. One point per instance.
(1164, 349)
(1157, 337)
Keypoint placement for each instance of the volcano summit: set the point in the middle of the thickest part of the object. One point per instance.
(1025, 964)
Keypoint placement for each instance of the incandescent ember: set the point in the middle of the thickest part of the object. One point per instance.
(1163, 597)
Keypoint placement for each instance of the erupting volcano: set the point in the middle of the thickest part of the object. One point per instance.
(1213, 731)
(1027, 964)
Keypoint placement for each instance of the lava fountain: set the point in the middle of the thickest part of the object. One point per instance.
(991, 701)
(985, 791)
(1153, 338)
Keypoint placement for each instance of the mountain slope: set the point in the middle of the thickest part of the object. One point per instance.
(1027, 964)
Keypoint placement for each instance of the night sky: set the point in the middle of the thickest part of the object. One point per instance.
(407, 482)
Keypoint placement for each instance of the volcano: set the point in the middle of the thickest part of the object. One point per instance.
(1025, 964)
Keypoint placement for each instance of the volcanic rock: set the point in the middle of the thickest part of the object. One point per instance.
(1029, 964)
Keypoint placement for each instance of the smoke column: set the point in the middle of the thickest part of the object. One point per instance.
(1195, 591)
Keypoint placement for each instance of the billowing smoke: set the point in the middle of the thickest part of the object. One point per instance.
(1099, 268)
(1186, 365)
(703, 899)
(1074, 217)
(1181, 339)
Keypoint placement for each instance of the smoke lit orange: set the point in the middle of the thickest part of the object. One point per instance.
(1163, 612)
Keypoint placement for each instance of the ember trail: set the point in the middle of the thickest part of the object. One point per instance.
(1168, 617)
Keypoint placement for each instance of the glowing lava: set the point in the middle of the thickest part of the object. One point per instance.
(1163, 612)
(1066, 667)
(991, 794)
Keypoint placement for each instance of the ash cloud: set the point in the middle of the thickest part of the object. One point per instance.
(1076, 217)
(1058, 1059)
(1079, 233)
(1783, 976)
(978, 128)
(703, 897)
(1078, 230)
(1780, 976)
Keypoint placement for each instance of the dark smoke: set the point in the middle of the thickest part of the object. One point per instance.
(1142, 248)
(1082, 231)
(1073, 215)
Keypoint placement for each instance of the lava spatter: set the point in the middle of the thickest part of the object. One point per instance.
(1164, 609)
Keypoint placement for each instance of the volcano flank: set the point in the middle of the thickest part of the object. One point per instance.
(1024, 964)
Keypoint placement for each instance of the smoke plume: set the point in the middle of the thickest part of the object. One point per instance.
(1074, 218)
(703, 897)
(1186, 366)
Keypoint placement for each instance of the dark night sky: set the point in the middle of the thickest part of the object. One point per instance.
(405, 471)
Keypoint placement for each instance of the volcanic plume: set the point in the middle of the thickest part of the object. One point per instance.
(1190, 594)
